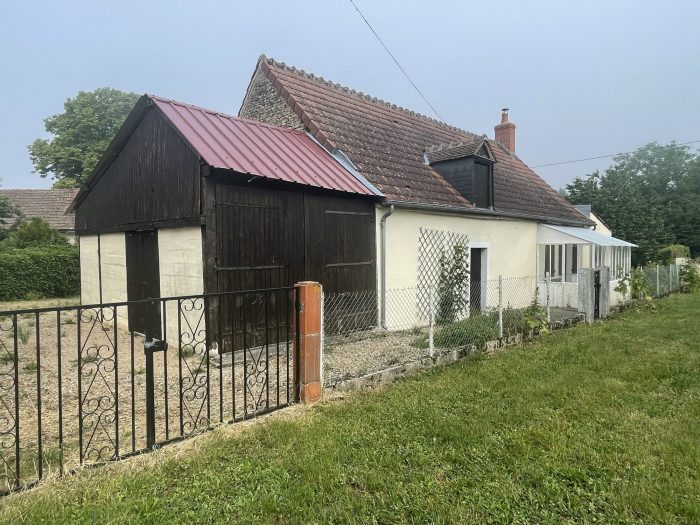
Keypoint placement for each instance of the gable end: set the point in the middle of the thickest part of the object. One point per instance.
(263, 103)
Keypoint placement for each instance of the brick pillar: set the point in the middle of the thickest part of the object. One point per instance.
(308, 341)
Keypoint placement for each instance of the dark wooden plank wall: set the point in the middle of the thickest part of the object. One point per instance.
(266, 237)
(459, 173)
(340, 243)
(153, 179)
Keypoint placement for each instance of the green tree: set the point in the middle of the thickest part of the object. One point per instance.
(81, 134)
(650, 197)
(9, 213)
(36, 232)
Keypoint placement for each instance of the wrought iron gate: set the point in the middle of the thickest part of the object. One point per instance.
(77, 387)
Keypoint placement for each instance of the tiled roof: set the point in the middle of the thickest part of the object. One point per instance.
(387, 144)
(51, 205)
(456, 150)
(249, 147)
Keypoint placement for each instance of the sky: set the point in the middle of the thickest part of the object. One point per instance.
(581, 79)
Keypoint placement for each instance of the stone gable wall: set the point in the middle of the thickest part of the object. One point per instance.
(264, 104)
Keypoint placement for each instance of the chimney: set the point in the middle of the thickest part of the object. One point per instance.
(505, 132)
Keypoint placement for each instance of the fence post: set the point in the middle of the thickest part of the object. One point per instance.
(500, 306)
(323, 334)
(308, 340)
(547, 281)
(658, 290)
(431, 322)
(670, 277)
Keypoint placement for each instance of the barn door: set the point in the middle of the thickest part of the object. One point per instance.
(341, 256)
(143, 282)
(259, 245)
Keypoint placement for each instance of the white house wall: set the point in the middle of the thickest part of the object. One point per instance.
(511, 252)
(181, 274)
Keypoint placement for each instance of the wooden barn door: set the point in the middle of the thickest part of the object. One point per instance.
(340, 254)
(143, 282)
(259, 245)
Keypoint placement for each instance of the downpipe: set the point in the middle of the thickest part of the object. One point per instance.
(382, 234)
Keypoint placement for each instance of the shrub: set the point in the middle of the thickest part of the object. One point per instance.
(453, 284)
(534, 320)
(671, 252)
(50, 271)
(689, 277)
(639, 283)
(34, 233)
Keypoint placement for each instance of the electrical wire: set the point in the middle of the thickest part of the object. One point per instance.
(612, 155)
(396, 61)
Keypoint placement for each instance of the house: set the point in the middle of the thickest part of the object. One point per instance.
(50, 205)
(600, 226)
(189, 201)
(436, 178)
(313, 181)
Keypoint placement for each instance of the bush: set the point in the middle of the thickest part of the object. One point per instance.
(670, 253)
(50, 271)
(36, 233)
(689, 277)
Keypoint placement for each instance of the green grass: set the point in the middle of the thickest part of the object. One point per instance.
(594, 424)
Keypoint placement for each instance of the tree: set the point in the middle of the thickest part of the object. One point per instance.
(650, 197)
(36, 232)
(81, 134)
(9, 213)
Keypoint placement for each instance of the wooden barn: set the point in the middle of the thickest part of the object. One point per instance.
(189, 201)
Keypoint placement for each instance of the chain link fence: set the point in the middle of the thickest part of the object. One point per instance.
(656, 280)
(365, 332)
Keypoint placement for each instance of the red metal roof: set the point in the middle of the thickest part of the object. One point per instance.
(251, 147)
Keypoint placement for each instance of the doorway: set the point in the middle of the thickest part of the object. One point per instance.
(143, 282)
(477, 275)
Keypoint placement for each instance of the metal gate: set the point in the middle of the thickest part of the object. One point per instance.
(77, 387)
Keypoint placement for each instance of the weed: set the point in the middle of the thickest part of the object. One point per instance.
(24, 334)
(90, 358)
(30, 367)
(140, 371)
(187, 351)
(7, 358)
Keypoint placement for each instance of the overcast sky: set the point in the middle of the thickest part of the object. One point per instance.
(581, 78)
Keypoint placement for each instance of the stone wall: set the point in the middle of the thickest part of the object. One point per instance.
(264, 104)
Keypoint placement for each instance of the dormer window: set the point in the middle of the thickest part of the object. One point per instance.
(468, 167)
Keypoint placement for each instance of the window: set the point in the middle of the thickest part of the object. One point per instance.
(559, 262)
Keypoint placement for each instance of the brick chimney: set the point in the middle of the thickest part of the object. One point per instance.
(505, 132)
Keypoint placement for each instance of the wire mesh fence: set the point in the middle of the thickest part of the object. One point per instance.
(369, 331)
(658, 280)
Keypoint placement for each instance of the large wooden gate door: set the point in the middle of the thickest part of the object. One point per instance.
(259, 245)
(143, 282)
(340, 254)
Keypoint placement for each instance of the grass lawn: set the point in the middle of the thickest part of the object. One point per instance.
(592, 424)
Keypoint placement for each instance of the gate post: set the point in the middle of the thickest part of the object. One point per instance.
(308, 341)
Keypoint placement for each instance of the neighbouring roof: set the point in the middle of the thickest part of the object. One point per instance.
(249, 147)
(50, 205)
(387, 143)
(551, 234)
(587, 211)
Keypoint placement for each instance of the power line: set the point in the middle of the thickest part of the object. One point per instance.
(396, 61)
(612, 155)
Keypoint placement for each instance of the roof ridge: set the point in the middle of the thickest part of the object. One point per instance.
(272, 62)
(221, 114)
(443, 146)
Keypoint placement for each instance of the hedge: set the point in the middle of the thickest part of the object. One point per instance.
(26, 273)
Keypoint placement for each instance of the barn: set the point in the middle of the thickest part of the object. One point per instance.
(191, 201)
